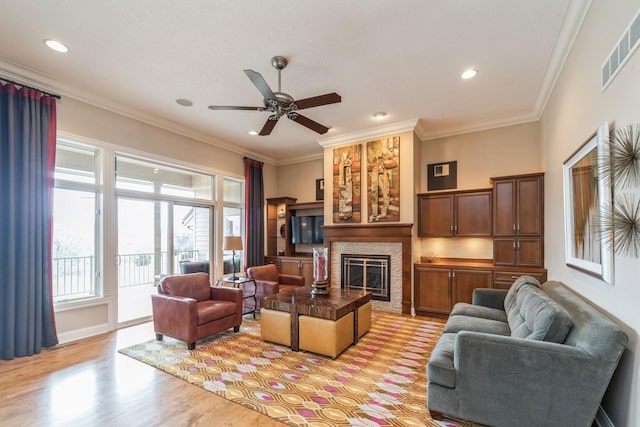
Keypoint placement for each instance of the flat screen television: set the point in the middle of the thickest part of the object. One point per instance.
(307, 230)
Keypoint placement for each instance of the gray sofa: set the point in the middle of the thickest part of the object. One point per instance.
(532, 356)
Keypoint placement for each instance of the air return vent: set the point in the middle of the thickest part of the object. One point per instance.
(622, 51)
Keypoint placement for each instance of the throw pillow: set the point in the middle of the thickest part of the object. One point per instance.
(538, 317)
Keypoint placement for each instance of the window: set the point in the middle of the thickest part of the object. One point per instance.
(233, 219)
(75, 272)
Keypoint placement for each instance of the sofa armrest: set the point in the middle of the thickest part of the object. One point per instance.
(532, 380)
(291, 279)
(488, 297)
(226, 294)
(167, 309)
(266, 287)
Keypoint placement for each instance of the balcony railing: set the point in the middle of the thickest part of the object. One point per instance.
(74, 277)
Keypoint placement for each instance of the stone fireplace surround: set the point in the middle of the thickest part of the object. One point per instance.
(374, 236)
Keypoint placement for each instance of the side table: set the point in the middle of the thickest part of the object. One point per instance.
(241, 283)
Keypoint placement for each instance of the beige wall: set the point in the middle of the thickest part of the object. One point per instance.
(502, 151)
(299, 180)
(575, 110)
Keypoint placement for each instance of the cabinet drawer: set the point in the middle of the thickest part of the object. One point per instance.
(504, 279)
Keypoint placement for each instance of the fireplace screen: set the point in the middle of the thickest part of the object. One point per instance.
(370, 273)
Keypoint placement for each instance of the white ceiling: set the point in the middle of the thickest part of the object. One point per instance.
(402, 57)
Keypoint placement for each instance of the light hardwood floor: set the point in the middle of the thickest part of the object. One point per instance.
(88, 383)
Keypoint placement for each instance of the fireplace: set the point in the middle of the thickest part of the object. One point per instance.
(392, 239)
(367, 273)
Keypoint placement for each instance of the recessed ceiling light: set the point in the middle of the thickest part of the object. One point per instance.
(469, 74)
(380, 115)
(184, 102)
(56, 45)
(253, 132)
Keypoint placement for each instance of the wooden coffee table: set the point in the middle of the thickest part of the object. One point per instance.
(338, 303)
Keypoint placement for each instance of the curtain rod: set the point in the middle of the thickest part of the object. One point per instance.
(53, 95)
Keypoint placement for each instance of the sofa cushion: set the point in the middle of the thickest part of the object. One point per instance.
(536, 316)
(440, 368)
(466, 309)
(510, 298)
(459, 323)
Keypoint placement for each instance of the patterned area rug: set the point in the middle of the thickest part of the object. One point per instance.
(379, 382)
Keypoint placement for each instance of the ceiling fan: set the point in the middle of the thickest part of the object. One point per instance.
(280, 103)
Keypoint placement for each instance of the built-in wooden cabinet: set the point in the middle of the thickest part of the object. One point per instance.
(439, 286)
(437, 289)
(518, 226)
(279, 219)
(298, 266)
(280, 249)
(452, 214)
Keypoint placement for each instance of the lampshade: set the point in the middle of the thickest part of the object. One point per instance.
(232, 243)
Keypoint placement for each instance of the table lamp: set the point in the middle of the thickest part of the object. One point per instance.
(232, 243)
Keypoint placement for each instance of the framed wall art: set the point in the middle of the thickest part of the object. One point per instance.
(346, 184)
(587, 199)
(383, 179)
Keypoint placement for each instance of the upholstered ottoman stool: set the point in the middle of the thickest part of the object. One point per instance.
(275, 326)
(364, 319)
(323, 336)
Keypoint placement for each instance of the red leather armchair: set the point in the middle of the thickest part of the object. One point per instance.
(269, 281)
(188, 308)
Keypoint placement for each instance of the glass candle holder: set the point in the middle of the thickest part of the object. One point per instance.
(320, 262)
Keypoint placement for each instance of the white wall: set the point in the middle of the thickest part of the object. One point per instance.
(575, 110)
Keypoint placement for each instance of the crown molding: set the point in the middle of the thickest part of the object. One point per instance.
(481, 126)
(571, 24)
(32, 78)
(406, 126)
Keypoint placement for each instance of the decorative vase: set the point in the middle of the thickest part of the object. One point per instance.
(320, 285)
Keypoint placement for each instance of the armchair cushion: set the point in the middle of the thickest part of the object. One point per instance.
(269, 281)
(188, 308)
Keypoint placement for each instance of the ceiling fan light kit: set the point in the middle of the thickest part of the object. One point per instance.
(282, 104)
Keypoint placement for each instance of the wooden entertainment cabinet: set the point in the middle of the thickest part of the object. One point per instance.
(280, 249)
(512, 212)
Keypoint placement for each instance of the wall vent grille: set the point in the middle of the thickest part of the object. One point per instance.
(622, 51)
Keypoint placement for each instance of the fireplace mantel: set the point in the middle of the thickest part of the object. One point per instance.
(390, 232)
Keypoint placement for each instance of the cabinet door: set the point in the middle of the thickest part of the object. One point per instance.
(465, 281)
(529, 252)
(473, 214)
(433, 290)
(306, 266)
(290, 266)
(435, 216)
(504, 251)
(529, 206)
(504, 208)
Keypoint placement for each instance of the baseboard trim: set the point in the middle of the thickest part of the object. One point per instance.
(77, 334)
(602, 419)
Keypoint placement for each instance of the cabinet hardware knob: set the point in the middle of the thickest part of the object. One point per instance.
(514, 277)
(518, 227)
(518, 245)
(514, 245)
(514, 227)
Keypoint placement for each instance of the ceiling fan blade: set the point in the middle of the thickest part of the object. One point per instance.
(307, 122)
(231, 107)
(316, 101)
(259, 82)
(269, 125)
